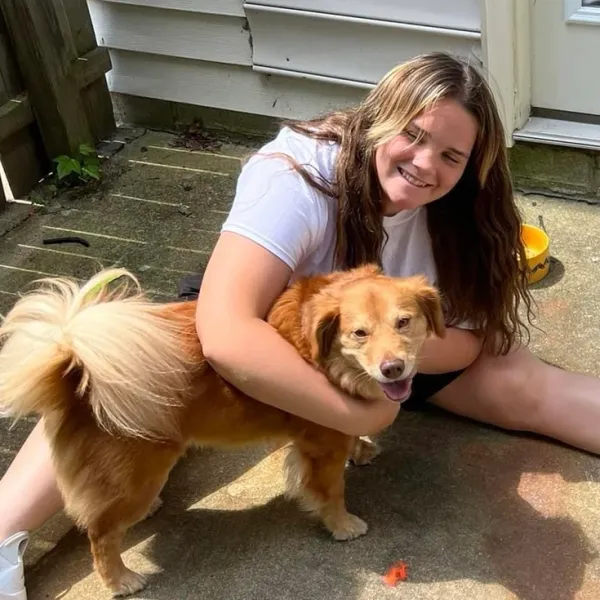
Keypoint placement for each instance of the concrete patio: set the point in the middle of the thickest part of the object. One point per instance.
(476, 513)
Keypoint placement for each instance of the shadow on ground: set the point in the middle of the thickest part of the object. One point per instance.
(475, 513)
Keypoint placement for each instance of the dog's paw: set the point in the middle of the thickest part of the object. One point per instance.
(349, 527)
(364, 452)
(129, 583)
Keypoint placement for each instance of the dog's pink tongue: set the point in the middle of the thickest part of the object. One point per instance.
(397, 390)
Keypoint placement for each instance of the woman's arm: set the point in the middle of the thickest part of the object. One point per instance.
(456, 351)
(241, 282)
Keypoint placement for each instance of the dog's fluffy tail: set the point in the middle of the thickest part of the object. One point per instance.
(131, 363)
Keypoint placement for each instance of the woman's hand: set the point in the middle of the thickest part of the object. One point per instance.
(369, 417)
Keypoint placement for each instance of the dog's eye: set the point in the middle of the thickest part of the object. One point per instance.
(402, 323)
(359, 333)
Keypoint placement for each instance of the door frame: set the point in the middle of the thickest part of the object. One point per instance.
(506, 44)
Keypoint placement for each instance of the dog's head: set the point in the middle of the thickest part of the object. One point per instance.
(367, 330)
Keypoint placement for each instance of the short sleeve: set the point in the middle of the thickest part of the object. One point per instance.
(277, 209)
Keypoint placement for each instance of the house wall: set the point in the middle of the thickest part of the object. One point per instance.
(294, 60)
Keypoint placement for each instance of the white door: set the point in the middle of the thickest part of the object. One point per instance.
(565, 55)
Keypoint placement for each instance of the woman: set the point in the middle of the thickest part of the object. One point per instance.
(417, 179)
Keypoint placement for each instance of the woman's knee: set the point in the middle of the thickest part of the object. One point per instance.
(498, 390)
(512, 389)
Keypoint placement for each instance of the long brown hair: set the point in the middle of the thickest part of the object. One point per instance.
(475, 229)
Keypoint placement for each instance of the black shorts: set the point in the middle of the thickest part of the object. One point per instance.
(424, 386)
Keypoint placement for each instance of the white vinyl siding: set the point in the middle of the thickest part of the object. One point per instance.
(290, 58)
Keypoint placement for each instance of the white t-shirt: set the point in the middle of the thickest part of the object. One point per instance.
(277, 209)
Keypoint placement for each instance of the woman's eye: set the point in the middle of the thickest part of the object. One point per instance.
(410, 135)
(359, 333)
(451, 158)
(402, 323)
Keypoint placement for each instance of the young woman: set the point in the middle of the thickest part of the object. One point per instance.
(416, 178)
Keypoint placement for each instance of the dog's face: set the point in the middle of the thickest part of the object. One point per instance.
(369, 330)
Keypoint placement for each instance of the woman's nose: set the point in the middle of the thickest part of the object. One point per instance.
(424, 159)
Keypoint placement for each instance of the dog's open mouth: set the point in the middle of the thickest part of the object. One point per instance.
(398, 391)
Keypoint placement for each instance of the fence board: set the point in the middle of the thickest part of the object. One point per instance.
(15, 115)
(24, 160)
(53, 91)
(41, 36)
(10, 80)
(21, 149)
(95, 96)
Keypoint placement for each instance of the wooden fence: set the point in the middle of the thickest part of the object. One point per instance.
(53, 93)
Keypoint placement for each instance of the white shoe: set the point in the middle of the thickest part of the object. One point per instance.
(12, 582)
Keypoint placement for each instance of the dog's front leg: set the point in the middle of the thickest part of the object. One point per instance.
(315, 475)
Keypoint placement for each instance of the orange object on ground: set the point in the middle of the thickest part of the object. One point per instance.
(396, 573)
(537, 252)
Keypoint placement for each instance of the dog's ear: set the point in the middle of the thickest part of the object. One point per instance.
(327, 329)
(325, 324)
(430, 302)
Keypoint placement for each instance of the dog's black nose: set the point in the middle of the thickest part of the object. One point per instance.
(392, 369)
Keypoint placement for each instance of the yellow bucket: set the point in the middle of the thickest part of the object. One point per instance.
(537, 251)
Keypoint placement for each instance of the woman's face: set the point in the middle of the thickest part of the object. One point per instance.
(413, 174)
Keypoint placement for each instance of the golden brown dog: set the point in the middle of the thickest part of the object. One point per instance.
(124, 389)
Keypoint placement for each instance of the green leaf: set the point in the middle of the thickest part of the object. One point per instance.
(91, 161)
(93, 173)
(75, 166)
(63, 171)
(67, 165)
(86, 150)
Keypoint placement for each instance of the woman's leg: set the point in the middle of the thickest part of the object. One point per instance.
(28, 492)
(523, 393)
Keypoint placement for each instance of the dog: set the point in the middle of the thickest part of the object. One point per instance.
(124, 389)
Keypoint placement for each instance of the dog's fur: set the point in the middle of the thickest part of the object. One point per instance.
(124, 389)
